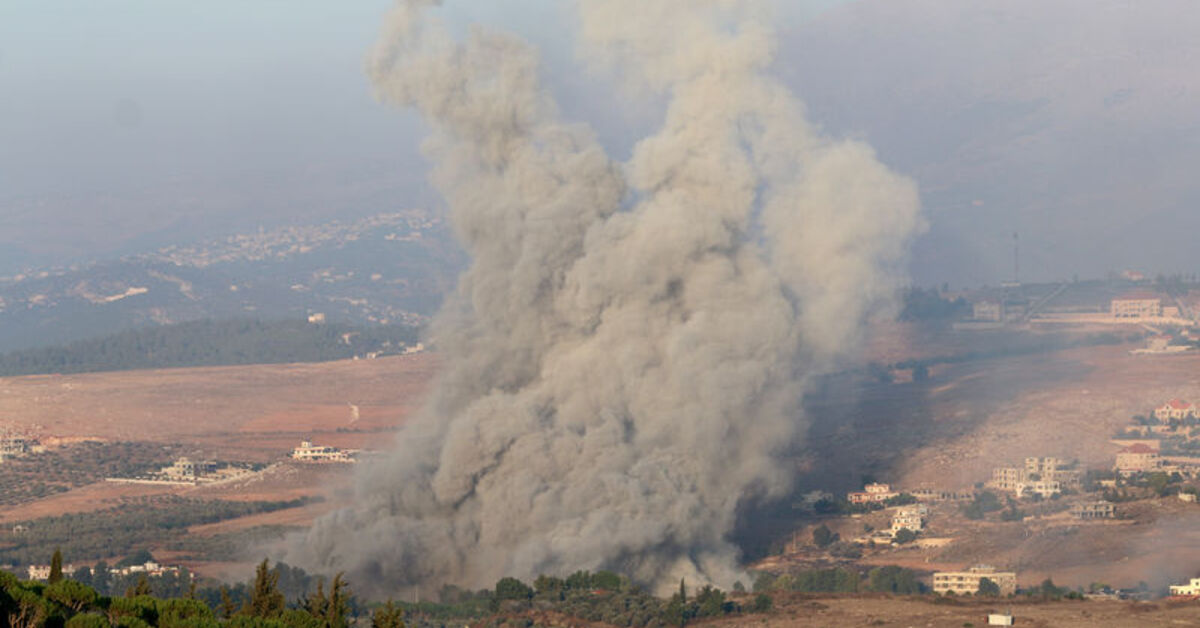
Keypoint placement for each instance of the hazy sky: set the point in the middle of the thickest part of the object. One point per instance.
(133, 123)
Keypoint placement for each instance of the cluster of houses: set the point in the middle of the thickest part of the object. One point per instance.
(150, 568)
(1044, 477)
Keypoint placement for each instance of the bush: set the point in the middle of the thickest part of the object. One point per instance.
(512, 589)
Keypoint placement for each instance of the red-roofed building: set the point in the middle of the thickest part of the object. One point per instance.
(1137, 458)
(1139, 304)
(1176, 409)
(872, 493)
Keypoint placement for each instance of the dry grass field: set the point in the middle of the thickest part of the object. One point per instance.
(254, 414)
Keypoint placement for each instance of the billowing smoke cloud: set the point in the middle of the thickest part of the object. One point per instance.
(625, 356)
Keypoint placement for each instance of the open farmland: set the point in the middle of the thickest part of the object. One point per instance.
(123, 423)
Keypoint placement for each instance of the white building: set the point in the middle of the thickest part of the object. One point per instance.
(1191, 588)
(967, 582)
(307, 452)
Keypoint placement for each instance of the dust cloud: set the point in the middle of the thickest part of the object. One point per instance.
(625, 355)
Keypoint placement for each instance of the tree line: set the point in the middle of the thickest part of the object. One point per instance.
(211, 343)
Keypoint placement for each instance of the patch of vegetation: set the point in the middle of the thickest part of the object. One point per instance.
(211, 343)
(34, 476)
(124, 529)
(230, 546)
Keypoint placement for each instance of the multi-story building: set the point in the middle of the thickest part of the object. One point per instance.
(1177, 409)
(1041, 476)
(988, 311)
(1136, 305)
(911, 517)
(1137, 458)
(1094, 510)
(967, 582)
(307, 452)
(872, 493)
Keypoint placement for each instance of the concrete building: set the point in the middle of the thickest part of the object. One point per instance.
(307, 452)
(1042, 476)
(992, 311)
(967, 582)
(1094, 510)
(187, 469)
(1192, 588)
(1136, 305)
(1042, 488)
(1137, 458)
(872, 493)
(911, 517)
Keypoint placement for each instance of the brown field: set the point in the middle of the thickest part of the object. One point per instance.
(244, 407)
(857, 610)
(239, 414)
(948, 432)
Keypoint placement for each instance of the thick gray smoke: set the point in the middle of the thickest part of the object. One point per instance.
(624, 358)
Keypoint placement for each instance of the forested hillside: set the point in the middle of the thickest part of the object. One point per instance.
(212, 343)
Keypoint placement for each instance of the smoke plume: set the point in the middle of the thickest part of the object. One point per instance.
(625, 356)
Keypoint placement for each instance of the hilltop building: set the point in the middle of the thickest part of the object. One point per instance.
(967, 582)
(1192, 588)
(1039, 476)
(872, 493)
(1137, 458)
(1140, 304)
(910, 517)
(307, 452)
(1176, 409)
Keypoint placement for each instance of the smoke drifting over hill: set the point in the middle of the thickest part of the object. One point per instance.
(625, 355)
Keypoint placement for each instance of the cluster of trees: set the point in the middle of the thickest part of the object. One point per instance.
(66, 603)
(983, 503)
(610, 598)
(888, 579)
(211, 343)
(124, 529)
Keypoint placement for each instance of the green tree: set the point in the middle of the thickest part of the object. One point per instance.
(988, 588)
(56, 574)
(142, 587)
(823, 536)
(339, 602)
(762, 603)
(513, 589)
(388, 616)
(228, 608)
(904, 535)
(266, 601)
(73, 595)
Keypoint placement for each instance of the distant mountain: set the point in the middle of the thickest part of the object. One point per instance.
(385, 269)
(1073, 122)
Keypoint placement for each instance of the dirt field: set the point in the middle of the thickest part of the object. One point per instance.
(247, 407)
(836, 611)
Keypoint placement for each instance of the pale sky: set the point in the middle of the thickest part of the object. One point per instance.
(127, 124)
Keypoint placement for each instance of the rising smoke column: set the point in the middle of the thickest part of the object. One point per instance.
(625, 356)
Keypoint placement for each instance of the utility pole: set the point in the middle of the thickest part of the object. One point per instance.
(1016, 258)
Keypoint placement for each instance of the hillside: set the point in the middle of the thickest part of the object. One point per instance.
(386, 269)
(212, 343)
